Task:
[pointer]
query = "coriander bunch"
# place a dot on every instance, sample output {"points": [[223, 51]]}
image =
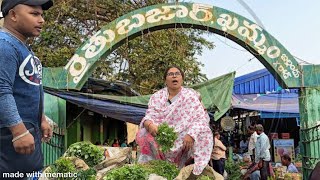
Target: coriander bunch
{"points": [[166, 137]]}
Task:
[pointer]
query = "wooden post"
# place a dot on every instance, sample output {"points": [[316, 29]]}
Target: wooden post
{"points": [[101, 130]]}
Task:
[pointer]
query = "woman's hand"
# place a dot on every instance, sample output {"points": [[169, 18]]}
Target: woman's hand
{"points": [[188, 142], [153, 129], [150, 127]]}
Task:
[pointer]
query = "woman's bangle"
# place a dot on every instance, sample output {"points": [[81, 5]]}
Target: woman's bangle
{"points": [[20, 136], [149, 125]]}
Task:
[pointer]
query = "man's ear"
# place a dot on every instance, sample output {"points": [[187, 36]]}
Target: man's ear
{"points": [[12, 15]]}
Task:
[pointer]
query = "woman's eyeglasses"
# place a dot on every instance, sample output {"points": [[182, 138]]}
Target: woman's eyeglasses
{"points": [[173, 74]]}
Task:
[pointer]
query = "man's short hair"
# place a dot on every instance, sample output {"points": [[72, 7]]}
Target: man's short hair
{"points": [[286, 157], [9, 4], [259, 127]]}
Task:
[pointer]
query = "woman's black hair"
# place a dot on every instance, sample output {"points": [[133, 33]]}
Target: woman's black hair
{"points": [[173, 66]]}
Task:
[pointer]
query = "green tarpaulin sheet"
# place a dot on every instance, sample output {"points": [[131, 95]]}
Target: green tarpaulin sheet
{"points": [[216, 95]]}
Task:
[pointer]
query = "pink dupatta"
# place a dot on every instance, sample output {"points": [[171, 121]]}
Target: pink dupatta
{"points": [[187, 116]]}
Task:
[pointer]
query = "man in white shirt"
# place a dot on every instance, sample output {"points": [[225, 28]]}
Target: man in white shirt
{"points": [[262, 153], [252, 141]]}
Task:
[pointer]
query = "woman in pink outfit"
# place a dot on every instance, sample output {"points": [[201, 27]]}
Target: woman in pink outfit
{"points": [[181, 108]]}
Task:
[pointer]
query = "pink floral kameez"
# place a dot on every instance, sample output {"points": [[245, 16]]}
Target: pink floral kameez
{"points": [[186, 114]]}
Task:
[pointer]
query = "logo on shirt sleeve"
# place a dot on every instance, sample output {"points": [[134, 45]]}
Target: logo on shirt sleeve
{"points": [[31, 70]]}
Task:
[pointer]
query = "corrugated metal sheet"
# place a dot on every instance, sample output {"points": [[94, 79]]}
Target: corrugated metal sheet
{"points": [[258, 82]]}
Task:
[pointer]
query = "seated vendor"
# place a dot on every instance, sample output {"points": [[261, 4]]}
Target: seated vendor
{"points": [[286, 161], [253, 172]]}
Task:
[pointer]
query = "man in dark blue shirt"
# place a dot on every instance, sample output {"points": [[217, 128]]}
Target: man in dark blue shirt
{"points": [[22, 121]]}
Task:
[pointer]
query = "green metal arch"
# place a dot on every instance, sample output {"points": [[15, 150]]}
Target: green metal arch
{"points": [[237, 28]]}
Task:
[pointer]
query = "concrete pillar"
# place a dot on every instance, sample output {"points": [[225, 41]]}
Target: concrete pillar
{"points": [[309, 103]]}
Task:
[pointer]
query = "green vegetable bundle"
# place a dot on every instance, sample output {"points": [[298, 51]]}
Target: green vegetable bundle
{"points": [[166, 137], [142, 171], [233, 169], [62, 165], [162, 168], [90, 153], [66, 165], [134, 172], [203, 177], [89, 174]]}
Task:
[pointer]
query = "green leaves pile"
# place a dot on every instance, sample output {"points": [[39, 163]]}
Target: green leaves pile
{"points": [[202, 177], [166, 137], [91, 154], [233, 170], [65, 165], [135, 172], [89, 174], [162, 168], [142, 171]]}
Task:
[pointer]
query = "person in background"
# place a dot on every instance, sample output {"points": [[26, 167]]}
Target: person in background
{"points": [[253, 172], [286, 161], [262, 153], [116, 143], [182, 109], [252, 141], [218, 154], [244, 144], [124, 143], [23, 124]]}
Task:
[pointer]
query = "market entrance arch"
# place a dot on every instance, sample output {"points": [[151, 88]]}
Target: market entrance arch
{"points": [[183, 15], [237, 28]]}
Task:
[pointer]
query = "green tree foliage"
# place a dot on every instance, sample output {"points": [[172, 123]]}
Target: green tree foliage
{"points": [[140, 61]]}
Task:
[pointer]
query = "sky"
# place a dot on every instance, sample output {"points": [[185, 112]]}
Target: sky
{"points": [[294, 23]]}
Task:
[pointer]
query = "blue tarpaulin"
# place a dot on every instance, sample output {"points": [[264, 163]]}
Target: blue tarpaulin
{"points": [[128, 113], [274, 103], [276, 115]]}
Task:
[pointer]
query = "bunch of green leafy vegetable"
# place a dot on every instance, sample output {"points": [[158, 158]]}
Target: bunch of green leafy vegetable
{"points": [[166, 137], [66, 165], [89, 174], [142, 171], [90, 153], [204, 177], [233, 170], [62, 165], [134, 172], [162, 168]]}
